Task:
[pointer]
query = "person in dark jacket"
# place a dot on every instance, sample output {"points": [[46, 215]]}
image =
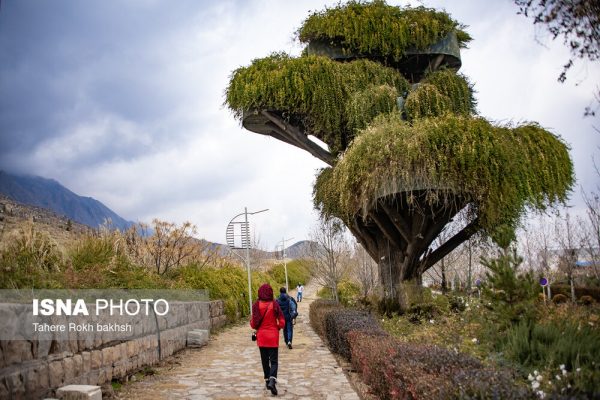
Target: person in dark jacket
{"points": [[267, 320], [286, 307]]}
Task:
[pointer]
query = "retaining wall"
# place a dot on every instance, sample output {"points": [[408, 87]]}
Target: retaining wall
{"points": [[34, 369]]}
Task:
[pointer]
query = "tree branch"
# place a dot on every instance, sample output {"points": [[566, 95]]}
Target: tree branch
{"points": [[294, 134], [450, 245]]}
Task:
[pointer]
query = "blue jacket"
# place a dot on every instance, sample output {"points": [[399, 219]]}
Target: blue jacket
{"points": [[285, 305]]}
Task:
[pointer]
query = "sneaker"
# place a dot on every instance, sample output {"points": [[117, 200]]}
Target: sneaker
{"points": [[289, 345], [271, 385]]}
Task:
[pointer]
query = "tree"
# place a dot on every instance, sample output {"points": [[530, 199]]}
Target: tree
{"points": [[170, 246], [365, 270], [576, 21], [329, 253], [405, 150], [568, 239]]}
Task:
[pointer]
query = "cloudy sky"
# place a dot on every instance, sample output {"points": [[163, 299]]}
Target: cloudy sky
{"points": [[123, 101]]}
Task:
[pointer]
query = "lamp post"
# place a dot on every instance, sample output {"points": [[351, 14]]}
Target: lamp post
{"points": [[284, 262], [244, 234]]}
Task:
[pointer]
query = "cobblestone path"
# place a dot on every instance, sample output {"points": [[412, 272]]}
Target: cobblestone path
{"points": [[229, 368]]}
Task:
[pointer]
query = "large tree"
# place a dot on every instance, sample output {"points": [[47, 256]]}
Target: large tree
{"points": [[379, 86]]}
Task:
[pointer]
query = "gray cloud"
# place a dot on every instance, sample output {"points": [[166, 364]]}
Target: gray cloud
{"points": [[122, 101]]}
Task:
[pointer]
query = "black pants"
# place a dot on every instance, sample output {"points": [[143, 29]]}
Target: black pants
{"points": [[269, 357]]}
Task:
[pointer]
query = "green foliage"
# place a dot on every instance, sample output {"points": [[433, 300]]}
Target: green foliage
{"points": [[426, 101], [439, 93], [30, 260], [377, 29], [363, 106], [313, 91], [298, 272], [500, 170], [552, 344], [348, 292], [228, 283], [511, 295]]}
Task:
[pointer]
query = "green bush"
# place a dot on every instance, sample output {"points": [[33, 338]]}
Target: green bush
{"points": [[228, 283], [552, 344], [348, 292], [317, 313], [298, 272]]}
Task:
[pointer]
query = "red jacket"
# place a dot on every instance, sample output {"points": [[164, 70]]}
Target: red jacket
{"points": [[267, 334]]}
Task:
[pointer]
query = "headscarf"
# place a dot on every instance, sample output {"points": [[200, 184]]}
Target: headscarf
{"points": [[265, 293]]}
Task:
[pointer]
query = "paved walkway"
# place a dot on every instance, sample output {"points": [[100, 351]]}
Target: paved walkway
{"points": [[229, 368]]}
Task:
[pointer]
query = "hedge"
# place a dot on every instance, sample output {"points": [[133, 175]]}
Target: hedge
{"points": [[579, 291], [396, 370], [317, 312], [339, 322]]}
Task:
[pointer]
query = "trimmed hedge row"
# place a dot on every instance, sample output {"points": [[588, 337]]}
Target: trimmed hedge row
{"points": [[317, 312], [579, 291], [340, 322], [397, 370]]}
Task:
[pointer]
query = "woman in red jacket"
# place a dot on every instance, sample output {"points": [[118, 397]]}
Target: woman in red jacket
{"points": [[267, 320]]}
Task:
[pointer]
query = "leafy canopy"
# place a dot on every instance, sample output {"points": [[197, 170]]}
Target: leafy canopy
{"points": [[376, 28], [500, 170]]}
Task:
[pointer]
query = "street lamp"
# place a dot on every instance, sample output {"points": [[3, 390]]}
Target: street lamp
{"points": [[244, 234], [285, 262]]}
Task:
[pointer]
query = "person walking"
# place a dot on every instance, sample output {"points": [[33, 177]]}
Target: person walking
{"points": [[289, 313], [267, 319], [299, 292]]}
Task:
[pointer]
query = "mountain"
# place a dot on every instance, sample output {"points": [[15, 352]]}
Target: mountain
{"points": [[48, 193]]}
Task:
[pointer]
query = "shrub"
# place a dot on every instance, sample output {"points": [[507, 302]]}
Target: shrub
{"points": [[422, 311], [229, 283], [297, 270], [317, 313], [552, 344], [457, 303], [341, 321], [593, 292], [559, 298], [396, 370], [488, 383], [586, 300], [30, 260]]}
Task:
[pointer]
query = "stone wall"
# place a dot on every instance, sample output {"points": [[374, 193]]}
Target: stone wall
{"points": [[34, 369]]}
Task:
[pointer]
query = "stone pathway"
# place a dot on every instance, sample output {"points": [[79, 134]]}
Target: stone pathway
{"points": [[229, 368]]}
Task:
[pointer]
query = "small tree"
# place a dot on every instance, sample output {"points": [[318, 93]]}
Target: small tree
{"points": [[365, 269], [170, 245], [569, 242], [329, 254]]}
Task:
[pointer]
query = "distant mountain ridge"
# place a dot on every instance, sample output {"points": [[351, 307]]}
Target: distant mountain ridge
{"points": [[50, 194]]}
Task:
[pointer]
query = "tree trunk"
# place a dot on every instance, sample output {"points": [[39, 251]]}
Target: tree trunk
{"points": [[444, 281], [398, 234]]}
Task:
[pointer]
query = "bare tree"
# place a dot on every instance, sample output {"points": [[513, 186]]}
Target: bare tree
{"points": [[365, 269], [591, 233], [329, 253], [567, 237], [170, 245]]}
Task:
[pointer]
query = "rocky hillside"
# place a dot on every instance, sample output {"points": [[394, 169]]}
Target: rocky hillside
{"points": [[48, 193]]}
